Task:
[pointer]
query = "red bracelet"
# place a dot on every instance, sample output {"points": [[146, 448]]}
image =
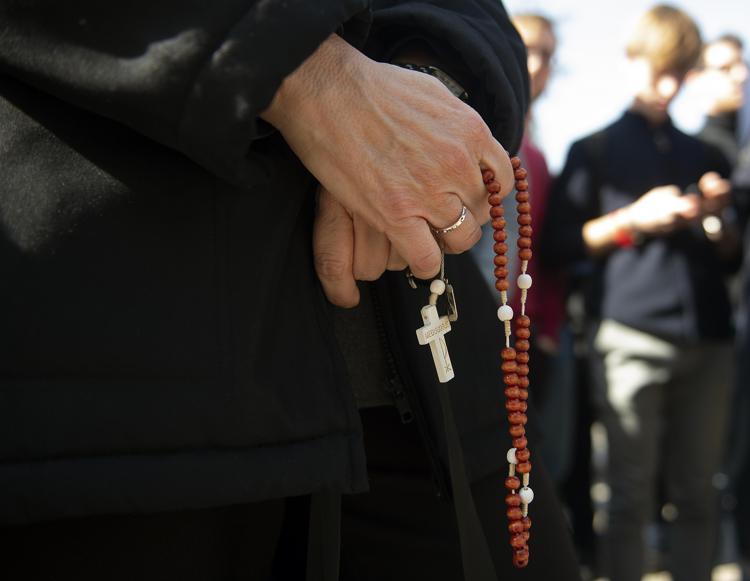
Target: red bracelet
{"points": [[623, 238]]}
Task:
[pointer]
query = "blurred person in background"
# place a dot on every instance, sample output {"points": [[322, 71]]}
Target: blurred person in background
{"points": [[631, 200], [720, 80]]}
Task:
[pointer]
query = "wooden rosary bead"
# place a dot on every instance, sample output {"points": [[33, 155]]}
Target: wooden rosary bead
{"points": [[519, 562], [523, 383], [517, 418], [522, 333], [513, 500], [515, 162], [523, 467], [522, 357], [512, 392], [515, 527], [517, 541], [501, 260], [522, 369], [522, 552], [512, 483], [525, 254], [509, 366], [522, 197], [502, 285], [522, 345], [497, 212], [524, 242], [522, 185], [487, 176], [513, 405], [508, 354], [524, 406], [520, 174], [524, 208], [495, 200], [501, 272], [510, 379], [523, 455], [520, 443], [526, 522], [525, 231], [524, 220], [501, 245], [523, 321], [517, 431], [494, 187], [526, 536], [514, 513], [500, 236]]}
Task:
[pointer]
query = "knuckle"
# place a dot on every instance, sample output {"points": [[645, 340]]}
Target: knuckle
{"points": [[475, 126], [398, 207], [331, 267]]}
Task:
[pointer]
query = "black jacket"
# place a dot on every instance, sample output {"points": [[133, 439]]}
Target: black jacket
{"points": [[164, 341]]}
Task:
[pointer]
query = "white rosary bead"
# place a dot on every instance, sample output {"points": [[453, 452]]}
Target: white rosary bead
{"points": [[527, 495], [505, 313], [524, 281], [511, 456], [437, 286]]}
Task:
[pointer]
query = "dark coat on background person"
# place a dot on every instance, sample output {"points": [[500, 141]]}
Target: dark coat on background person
{"points": [[165, 342]]}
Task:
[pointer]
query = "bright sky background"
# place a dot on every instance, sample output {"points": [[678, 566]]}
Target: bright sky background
{"points": [[588, 88]]}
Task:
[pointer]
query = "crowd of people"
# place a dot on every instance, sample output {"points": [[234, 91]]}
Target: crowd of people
{"points": [[207, 211], [645, 223]]}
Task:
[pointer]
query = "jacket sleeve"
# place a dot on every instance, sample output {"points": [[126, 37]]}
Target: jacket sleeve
{"points": [[191, 74], [572, 202], [475, 43]]}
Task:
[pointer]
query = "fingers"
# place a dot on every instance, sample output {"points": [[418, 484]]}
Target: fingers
{"points": [[333, 251], [371, 251], [466, 235], [395, 261], [413, 240]]}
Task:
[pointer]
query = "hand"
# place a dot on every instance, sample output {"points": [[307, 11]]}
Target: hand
{"points": [[716, 193], [393, 147], [662, 210], [347, 249]]}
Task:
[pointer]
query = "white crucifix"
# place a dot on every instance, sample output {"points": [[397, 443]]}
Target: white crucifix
{"points": [[433, 333]]}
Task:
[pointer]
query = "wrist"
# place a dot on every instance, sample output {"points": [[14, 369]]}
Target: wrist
{"points": [[625, 233], [309, 83]]}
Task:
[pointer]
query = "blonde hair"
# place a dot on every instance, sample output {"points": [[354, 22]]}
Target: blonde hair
{"points": [[668, 39], [532, 21]]}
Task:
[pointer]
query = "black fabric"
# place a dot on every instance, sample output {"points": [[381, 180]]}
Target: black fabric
{"points": [[165, 342], [467, 37], [400, 531], [671, 286], [721, 131]]}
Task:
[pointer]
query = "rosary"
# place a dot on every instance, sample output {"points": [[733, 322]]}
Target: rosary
{"points": [[515, 360]]}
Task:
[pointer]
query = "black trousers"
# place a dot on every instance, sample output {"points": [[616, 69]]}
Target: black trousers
{"points": [[400, 530]]}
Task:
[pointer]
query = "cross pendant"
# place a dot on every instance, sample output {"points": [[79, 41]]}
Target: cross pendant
{"points": [[433, 333]]}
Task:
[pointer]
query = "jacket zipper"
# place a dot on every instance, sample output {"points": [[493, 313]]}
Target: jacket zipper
{"points": [[408, 405]]}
